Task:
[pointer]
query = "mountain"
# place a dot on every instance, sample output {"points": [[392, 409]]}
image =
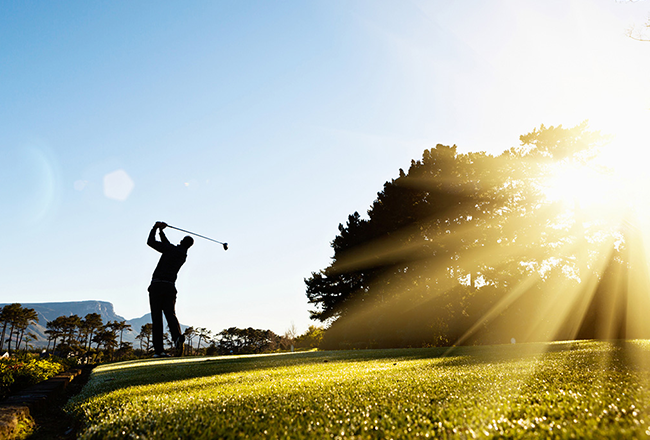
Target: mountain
{"points": [[49, 311]]}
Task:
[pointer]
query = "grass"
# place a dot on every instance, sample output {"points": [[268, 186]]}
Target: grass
{"points": [[562, 390]]}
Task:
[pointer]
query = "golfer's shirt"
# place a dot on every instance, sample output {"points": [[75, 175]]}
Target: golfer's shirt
{"points": [[171, 260]]}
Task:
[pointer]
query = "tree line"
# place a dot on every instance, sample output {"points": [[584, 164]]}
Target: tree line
{"points": [[468, 248], [73, 334], [251, 341], [91, 339]]}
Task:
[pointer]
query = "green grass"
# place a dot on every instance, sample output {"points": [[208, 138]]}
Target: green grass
{"points": [[561, 390]]}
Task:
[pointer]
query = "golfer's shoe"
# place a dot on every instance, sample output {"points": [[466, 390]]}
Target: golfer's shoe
{"points": [[161, 355], [180, 345]]}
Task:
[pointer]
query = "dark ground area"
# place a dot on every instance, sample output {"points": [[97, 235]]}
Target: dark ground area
{"points": [[52, 423]]}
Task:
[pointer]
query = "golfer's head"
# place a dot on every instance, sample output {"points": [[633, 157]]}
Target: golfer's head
{"points": [[187, 242]]}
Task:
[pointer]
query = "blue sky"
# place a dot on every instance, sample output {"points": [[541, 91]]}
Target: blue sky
{"points": [[264, 124]]}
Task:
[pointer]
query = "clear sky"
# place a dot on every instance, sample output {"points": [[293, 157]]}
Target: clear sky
{"points": [[265, 124]]}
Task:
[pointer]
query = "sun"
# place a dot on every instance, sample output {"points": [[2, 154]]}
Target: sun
{"points": [[589, 196], [613, 186], [602, 250], [582, 187]]}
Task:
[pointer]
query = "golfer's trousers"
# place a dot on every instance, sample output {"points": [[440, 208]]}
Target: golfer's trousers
{"points": [[162, 299]]}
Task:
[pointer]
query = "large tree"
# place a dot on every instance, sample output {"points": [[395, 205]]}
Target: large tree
{"points": [[455, 239]]}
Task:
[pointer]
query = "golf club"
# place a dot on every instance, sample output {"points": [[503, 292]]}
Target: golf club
{"points": [[225, 245]]}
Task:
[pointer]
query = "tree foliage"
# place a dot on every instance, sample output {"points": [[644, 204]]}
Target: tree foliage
{"points": [[146, 336], [15, 319], [248, 341], [446, 242], [310, 339]]}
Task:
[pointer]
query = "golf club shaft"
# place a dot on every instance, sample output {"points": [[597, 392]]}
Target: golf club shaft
{"points": [[194, 233]]}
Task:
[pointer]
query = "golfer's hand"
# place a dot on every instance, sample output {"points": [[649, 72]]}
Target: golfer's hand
{"points": [[161, 225]]}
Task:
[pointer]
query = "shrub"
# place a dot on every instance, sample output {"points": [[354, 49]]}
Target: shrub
{"points": [[311, 338], [19, 373]]}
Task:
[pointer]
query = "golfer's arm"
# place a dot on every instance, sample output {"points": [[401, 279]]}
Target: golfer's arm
{"points": [[152, 242], [163, 237]]}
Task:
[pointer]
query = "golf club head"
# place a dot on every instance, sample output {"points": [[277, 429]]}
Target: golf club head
{"points": [[225, 246]]}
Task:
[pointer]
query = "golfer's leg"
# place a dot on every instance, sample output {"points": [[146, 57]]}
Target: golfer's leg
{"points": [[169, 307], [156, 321]]}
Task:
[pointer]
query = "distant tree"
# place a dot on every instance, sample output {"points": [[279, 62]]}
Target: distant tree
{"points": [[203, 335], [105, 337], [311, 338], [146, 332], [91, 323], [26, 318], [17, 319], [139, 338], [167, 340], [4, 323], [30, 337], [124, 351], [120, 326], [189, 334], [228, 340], [52, 336], [11, 314], [70, 326], [69, 329], [258, 341], [249, 340], [212, 349], [55, 331]]}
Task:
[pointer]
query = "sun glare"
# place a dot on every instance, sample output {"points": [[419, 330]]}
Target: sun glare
{"points": [[582, 187], [614, 185], [605, 218]]}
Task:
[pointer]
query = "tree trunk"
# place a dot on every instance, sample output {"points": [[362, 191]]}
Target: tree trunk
{"points": [[20, 340], [11, 335], [2, 341]]}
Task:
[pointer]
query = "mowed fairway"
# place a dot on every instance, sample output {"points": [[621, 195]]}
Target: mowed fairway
{"points": [[564, 390]]}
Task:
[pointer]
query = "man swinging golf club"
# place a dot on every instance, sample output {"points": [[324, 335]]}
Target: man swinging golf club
{"points": [[162, 290]]}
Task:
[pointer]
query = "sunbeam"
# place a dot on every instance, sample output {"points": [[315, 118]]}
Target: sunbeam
{"points": [[542, 243]]}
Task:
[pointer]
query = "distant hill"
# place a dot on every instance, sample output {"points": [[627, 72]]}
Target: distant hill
{"points": [[49, 311]]}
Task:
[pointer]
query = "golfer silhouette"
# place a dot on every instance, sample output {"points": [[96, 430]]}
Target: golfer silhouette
{"points": [[162, 290]]}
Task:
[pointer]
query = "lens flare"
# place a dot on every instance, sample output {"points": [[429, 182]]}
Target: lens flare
{"points": [[31, 185], [118, 185]]}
